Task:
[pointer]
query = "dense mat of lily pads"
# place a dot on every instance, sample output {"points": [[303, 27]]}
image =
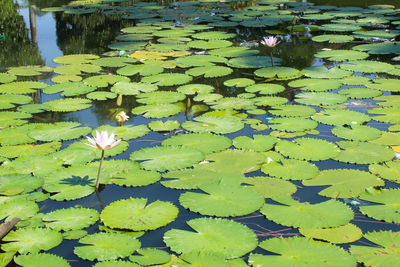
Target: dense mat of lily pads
{"points": [[338, 132]]}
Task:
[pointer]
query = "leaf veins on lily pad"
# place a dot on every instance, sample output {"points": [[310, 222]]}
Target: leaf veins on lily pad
{"points": [[205, 142], [31, 240], [388, 204], [341, 185], [41, 259], [330, 213], [300, 251], [167, 157], [226, 237], [363, 153], [206, 124], [307, 149], [290, 169], [106, 246], [138, 215], [71, 218], [223, 199], [384, 254], [338, 235]]}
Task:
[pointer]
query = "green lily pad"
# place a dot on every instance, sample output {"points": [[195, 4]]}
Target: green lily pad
{"points": [[363, 153], [239, 82], [7, 77], [300, 251], [32, 70], [41, 259], [167, 79], [338, 235], [280, 73], [191, 89], [342, 55], [19, 88], [290, 169], [292, 124], [384, 254], [320, 98], [158, 110], [68, 104], [218, 201], [323, 72], [141, 69], [101, 95], [359, 93], [235, 51], [252, 62], [333, 38], [388, 210], [204, 142], [57, 131], [357, 132], [14, 184], [31, 240], [130, 88], [226, 237], [167, 158], [265, 88], [213, 35], [200, 60], [380, 48], [135, 214], [209, 71], [270, 187], [307, 149], [340, 117], [71, 218], [13, 118], [210, 44], [214, 124], [161, 126], [366, 66], [341, 185], [258, 143], [104, 80], [106, 246], [113, 62], [318, 85], [150, 256], [292, 111], [389, 170], [159, 97], [77, 69], [75, 59], [331, 213], [9, 101], [19, 208]]}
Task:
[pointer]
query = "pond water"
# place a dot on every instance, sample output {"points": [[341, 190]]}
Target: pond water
{"points": [[252, 146]]}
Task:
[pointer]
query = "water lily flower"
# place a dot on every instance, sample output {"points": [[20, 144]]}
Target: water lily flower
{"points": [[102, 141], [271, 41], [121, 117]]}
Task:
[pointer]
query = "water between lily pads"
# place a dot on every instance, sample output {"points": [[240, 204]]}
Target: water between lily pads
{"points": [[59, 34]]}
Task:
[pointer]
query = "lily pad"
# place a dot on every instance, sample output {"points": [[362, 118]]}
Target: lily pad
{"points": [[167, 157], [222, 202], [330, 213], [341, 185], [208, 124], [307, 148], [340, 117], [226, 237], [363, 153], [31, 240], [204, 142], [106, 246], [41, 259], [71, 218], [300, 251], [135, 214], [388, 208], [290, 169]]}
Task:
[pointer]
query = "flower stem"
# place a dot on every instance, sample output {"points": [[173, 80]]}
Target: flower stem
{"points": [[98, 174], [272, 59]]}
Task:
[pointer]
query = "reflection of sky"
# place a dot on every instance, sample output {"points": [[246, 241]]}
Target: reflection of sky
{"points": [[46, 35]]}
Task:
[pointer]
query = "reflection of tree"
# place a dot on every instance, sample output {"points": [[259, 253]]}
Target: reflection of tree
{"points": [[16, 49], [90, 33]]}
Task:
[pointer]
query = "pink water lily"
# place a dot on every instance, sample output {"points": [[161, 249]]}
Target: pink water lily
{"points": [[103, 141], [271, 41]]}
